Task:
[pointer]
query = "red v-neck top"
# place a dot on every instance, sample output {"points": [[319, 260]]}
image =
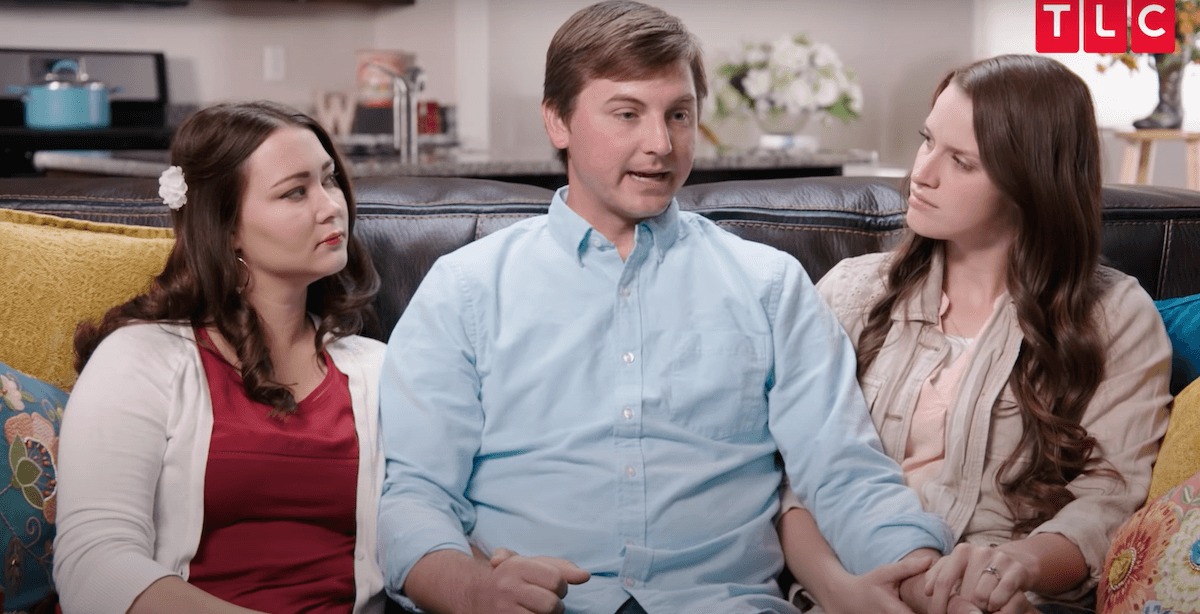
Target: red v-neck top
{"points": [[279, 497]]}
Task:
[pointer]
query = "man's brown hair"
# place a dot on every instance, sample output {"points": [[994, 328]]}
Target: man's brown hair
{"points": [[620, 40]]}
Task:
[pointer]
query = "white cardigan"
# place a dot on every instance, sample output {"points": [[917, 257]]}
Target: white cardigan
{"points": [[131, 459]]}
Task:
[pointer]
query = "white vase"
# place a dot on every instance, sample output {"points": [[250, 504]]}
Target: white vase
{"points": [[782, 123], [781, 132]]}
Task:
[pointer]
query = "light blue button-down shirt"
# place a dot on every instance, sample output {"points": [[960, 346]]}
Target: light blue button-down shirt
{"points": [[540, 394]]}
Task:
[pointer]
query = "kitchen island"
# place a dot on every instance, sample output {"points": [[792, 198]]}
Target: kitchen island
{"points": [[548, 173]]}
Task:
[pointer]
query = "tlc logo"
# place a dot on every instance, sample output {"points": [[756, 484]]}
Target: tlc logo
{"points": [[1151, 26]]}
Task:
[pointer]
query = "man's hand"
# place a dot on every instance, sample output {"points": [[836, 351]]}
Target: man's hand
{"points": [[453, 582], [877, 590], [524, 585]]}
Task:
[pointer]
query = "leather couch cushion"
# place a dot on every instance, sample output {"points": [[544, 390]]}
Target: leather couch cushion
{"points": [[407, 222]]}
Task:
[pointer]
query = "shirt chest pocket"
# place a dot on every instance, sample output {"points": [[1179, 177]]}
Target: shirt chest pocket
{"points": [[717, 383], [887, 419], [870, 388]]}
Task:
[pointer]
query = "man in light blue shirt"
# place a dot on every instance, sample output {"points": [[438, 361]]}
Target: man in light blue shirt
{"points": [[596, 397]]}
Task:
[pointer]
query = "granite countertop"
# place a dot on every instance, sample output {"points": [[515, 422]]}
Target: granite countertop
{"points": [[118, 163], [150, 163]]}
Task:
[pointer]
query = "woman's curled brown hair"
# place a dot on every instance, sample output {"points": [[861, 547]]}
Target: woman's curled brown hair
{"points": [[200, 284]]}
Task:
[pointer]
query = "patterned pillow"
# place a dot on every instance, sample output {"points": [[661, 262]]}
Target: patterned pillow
{"points": [[30, 412], [1153, 565]]}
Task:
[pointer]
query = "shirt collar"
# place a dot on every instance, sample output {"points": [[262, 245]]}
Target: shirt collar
{"points": [[664, 227], [928, 306], [571, 231], [930, 301]]}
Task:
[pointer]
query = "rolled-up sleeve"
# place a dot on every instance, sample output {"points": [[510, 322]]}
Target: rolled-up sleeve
{"points": [[1128, 416], [832, 453], [431, 420]]}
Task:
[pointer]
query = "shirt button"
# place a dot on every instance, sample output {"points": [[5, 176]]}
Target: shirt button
{"points": [[627, 357], [625, 292], [360, 556], [628, 413], [630, 582], [630, 471]]}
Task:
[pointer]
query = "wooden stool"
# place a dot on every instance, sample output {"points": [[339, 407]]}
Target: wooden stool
{"points": [[1137, 164]]}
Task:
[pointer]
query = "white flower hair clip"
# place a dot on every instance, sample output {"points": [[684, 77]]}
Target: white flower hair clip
{"points": [[171, 187]]}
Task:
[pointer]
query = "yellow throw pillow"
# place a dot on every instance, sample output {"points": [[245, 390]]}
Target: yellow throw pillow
{"points": [[58, 272], [1180, 453]]}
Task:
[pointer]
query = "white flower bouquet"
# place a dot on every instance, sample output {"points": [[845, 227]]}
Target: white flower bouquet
{"points": [[792, 76]]}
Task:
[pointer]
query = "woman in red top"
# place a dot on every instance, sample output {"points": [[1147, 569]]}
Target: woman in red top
{"points": [[219, 451]]}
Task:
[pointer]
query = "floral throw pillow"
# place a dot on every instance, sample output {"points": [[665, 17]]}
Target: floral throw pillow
{"points": [[30, 414], [1153, 565]]}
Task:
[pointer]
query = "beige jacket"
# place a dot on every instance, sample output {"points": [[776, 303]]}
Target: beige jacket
{"points": [[1128, 414]]}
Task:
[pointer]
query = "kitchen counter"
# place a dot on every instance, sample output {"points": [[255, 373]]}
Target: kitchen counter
{"points": [[547, 173]]}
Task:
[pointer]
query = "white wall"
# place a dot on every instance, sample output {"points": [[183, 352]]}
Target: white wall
{"points": [[488, 55], [451, 40], [497, 50], [214, 48], [885, 41], [1120, 95], [427, 29]]}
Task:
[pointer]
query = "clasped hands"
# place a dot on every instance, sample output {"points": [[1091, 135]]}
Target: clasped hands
{"points": [[970, 580], [989, 578]]}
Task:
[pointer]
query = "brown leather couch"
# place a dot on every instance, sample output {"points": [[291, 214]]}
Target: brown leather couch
{"points": [[407, 223], [1151, 233]]}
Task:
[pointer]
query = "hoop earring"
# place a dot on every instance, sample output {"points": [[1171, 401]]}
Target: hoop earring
{"points": [[242, 286]]}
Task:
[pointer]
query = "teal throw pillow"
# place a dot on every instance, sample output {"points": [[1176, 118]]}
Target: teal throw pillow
{"points": [[1182, 318], [30, 412]]}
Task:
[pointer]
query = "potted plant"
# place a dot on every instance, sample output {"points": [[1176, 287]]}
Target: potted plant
{"points": [[1169, 67]]}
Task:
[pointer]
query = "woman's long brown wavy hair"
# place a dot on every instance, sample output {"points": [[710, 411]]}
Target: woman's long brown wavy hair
{"points": [[200, 283], [1039, 144]]}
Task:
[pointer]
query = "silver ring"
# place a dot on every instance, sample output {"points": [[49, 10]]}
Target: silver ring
{"points": [[992, 570]]}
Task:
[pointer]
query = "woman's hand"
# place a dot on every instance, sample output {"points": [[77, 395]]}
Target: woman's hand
{"points": [[996, 579], [992, 579]]}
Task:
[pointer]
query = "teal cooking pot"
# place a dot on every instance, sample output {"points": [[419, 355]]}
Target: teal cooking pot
{"points": [[67, 100]]}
